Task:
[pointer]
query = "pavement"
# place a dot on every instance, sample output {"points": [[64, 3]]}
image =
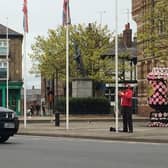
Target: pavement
{"points": [[93, 127]]}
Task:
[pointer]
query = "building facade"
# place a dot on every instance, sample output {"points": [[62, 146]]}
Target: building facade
{"points": [[141, 10], [51, 90], [11, 68], [127, 60]]}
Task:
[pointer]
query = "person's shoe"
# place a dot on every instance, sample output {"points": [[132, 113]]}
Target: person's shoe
{"points": [[130, 131], [125, 131]]}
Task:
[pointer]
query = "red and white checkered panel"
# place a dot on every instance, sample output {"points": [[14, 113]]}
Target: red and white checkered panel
{"points": [[160, 95]]}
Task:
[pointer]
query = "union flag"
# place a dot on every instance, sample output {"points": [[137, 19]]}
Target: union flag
{"points": [[25, 17], [66, 13]]}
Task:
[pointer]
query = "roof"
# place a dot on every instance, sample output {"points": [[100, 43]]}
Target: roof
{"points": [[10, 31], [132, 51], [32, 92]]}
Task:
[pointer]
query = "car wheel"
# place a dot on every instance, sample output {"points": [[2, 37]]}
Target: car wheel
{"points": [[3, 138]]}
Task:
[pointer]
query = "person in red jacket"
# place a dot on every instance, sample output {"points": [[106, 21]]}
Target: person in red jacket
{"points": [[126, 108]]}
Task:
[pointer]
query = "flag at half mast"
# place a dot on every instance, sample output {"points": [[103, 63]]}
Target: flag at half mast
{"points": [[66, 13], [25, 17]]}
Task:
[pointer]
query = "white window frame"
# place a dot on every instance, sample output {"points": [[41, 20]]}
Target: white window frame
{"points": [[3, 44]]}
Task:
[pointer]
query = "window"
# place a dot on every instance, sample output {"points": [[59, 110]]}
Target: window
{"points": [[3, 64], [3, 43], [3, 70], [3, 47]]}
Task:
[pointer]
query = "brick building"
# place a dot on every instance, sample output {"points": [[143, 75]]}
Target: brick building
{"points": [[145, 61], [10, 54], [51, 89]]}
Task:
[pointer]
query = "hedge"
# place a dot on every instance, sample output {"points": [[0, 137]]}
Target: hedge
{"points": [[96, 105]]}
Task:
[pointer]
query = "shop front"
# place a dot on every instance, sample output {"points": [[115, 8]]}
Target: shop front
{"points": [[14, 95]]}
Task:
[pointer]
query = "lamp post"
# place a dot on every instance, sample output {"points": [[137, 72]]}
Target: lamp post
{"points": [[101, 16]]}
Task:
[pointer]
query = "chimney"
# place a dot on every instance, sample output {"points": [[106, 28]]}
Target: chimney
{"points": [[127, 36]]}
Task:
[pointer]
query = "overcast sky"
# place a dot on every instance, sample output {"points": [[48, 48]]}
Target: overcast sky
{"points": [[47, 14]]}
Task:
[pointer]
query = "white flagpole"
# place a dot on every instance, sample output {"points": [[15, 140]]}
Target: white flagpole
{"points": [[116, 66], [25, 82], [67, 76], [7, 65], [67, 70]]}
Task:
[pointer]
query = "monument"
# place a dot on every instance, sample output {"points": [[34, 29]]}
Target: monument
{"points": [[82, 86]]}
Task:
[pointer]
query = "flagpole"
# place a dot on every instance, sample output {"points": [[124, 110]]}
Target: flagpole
{"points": [[25, 82], [25, 27], [67, 71], [7, 65], [116, 65]]}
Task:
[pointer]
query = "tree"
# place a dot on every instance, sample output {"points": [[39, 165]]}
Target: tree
{"points": [[48, 53]]}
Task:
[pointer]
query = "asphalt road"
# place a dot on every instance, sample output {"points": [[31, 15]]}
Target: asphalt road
{"points": [[50, 152]]}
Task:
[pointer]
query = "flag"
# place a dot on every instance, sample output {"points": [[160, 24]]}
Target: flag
{"points": [[25, 16], [66, 13]]}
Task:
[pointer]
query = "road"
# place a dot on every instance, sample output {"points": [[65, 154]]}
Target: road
{"points": [[50, 152]]}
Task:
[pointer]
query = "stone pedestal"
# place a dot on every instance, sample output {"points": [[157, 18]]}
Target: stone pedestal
{"points": [[82, 87]]}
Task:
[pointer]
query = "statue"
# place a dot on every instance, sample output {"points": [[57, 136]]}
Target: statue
{"points": [[78, 59]]}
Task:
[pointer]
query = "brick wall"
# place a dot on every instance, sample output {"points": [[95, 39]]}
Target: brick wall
{"points": [[15, 59]]}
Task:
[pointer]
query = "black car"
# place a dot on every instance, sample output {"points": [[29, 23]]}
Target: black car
{"points": [[9, 124]]}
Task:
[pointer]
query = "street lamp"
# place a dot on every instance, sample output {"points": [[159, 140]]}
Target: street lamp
{"points": [[101, 16]]}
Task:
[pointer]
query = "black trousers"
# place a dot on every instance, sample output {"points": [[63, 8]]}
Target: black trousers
{"points": [[127, 119]]}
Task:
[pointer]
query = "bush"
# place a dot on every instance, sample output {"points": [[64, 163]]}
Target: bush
{"points": [[96, 105]]}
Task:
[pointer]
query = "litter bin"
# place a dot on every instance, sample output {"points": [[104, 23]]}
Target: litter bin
{"points": [[57, 119]]}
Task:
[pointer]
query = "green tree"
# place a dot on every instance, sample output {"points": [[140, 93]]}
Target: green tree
{"points": [[49, 53]]}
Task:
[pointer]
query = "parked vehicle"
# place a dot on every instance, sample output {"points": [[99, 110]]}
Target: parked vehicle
{"points": [[9, 123]]}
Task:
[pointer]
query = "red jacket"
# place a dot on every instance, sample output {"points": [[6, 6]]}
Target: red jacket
{"points": [[126, 97]]}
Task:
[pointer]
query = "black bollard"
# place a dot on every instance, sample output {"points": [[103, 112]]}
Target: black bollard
{"points": [[57, 119]]}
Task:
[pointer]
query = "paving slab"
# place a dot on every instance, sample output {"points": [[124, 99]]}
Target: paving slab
{"points": [[96, 130]]}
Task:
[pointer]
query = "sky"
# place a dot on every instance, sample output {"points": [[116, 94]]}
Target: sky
{"points": [[47, 14]]}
